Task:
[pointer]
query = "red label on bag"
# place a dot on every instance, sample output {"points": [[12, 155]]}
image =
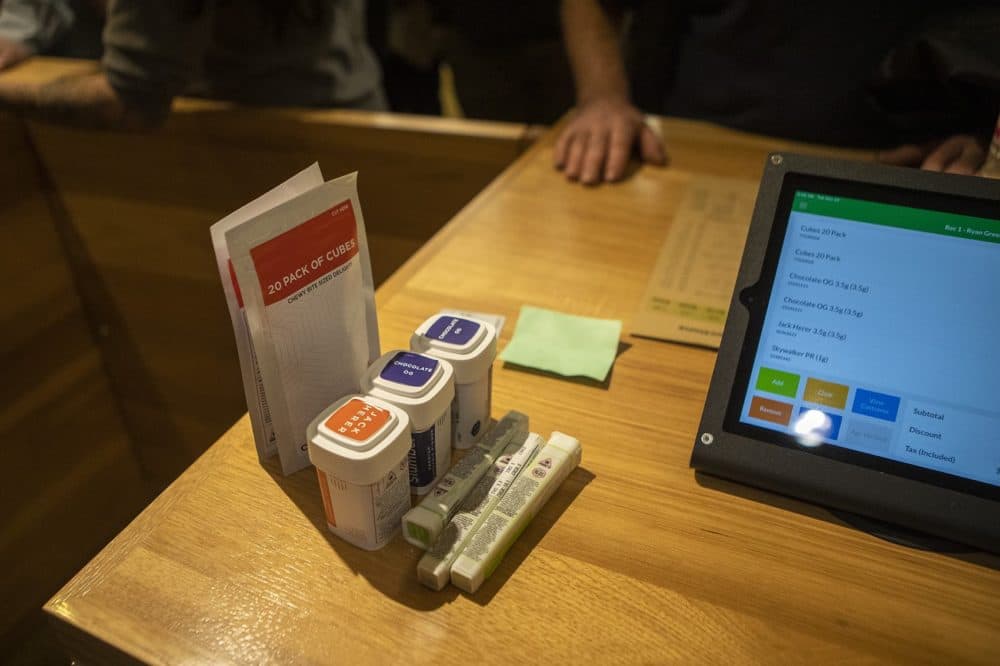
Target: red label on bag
{"points": [[292, 261], [236, 284]]}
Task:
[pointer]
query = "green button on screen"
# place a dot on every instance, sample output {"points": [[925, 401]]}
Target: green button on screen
{"points": [[776, 381]]}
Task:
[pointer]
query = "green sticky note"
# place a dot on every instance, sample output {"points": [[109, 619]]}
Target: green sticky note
{"points": [[565, 344]]}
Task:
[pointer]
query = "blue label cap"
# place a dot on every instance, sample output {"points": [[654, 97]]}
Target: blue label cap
{"points": [[453, 330], [410, 369]]}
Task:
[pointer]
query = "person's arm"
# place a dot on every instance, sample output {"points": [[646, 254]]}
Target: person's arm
{"points": [[13, 52], [151, 50], [28, 27], [961, 154], [596, 144], [82, 100]]}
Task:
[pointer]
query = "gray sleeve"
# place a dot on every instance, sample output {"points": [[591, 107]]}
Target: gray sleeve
{"points": [[37, 24], [154, 49]]}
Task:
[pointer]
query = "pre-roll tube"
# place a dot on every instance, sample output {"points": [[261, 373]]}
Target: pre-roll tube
{"points": [[423, 523], [529, 492], [434, 567]]}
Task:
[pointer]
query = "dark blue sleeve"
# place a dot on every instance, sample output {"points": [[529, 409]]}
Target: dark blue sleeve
{"points": [[153, 50]]}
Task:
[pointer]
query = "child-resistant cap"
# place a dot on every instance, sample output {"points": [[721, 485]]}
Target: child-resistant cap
{"points": [[406, 373], [358, 438], [422, 385], [469, 345]]}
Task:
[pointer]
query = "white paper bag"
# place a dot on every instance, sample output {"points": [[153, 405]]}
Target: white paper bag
{"points": [[305, 276], [253, 386]]}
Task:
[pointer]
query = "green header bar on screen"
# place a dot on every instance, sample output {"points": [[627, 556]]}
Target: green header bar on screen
{"points": [[900, 217]]}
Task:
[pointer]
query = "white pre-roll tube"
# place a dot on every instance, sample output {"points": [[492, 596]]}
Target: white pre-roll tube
{"points": [[423, 523], [434, 568], [526, 496]]}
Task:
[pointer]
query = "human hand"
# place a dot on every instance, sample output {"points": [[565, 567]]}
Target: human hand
{"points": [[961, 154], [12, 52], [597, 142]]}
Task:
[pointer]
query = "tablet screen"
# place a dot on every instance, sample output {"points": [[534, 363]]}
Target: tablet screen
{"points": [[878, 335]]}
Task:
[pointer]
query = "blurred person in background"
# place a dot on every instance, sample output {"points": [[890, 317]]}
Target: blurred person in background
{"points": [[310, 53], [914, 80], [66, 28], [506, 60], [406, 36]]}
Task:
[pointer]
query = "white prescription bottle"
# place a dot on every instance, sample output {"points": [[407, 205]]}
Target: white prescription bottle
{"points": [[360, 446], [470, 346], [424, 388]]}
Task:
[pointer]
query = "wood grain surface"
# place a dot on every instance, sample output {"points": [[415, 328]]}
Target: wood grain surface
{"points": [[68, 456], [635, 559]]}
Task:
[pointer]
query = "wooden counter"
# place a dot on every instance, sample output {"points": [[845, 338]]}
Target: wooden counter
{"points": [[635, 559], [119, 359]]}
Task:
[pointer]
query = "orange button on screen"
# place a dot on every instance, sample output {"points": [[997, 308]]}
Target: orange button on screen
{"points": [[770, 410], [357, 420]]}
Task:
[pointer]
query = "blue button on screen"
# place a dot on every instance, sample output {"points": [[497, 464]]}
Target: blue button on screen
{"points": [[877, 405], [826, 426]]}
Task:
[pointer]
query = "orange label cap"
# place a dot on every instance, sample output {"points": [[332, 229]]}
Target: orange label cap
{"points": [[357, 420]]}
